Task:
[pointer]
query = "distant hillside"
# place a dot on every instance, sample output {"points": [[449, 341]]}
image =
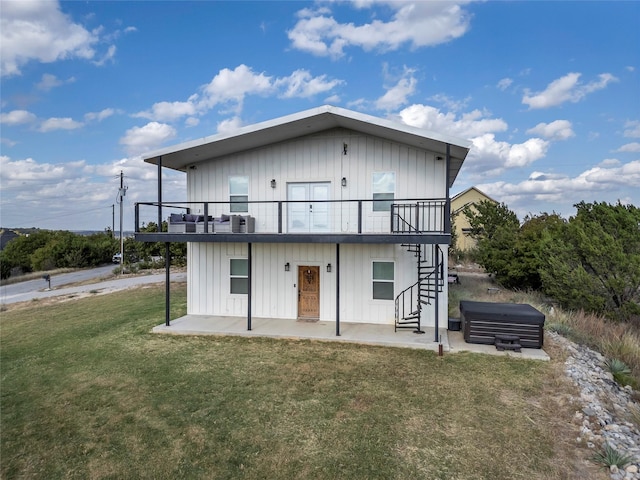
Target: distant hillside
{"points": [[8, 234]]}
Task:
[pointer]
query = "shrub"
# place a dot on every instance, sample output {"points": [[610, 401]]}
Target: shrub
{"points": [[620, 371], [609, 456]]}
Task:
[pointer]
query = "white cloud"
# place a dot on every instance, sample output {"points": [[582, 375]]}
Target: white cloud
{"points": [[234, 85], [417, 24], [101, 115], [566, 89], [49, 81], [230, 87], [629, 147], [37, 193], [398, 94], [487, 156], [38, 30], [302, 84], [556, 130], [55, 123], [229, 125], [452, 104], [17, 117], [141, 139], [332, 100], [16, 173], [632, 129], [168, 111], [504, 83], [107, 57], [553, 187], [468, 125]]}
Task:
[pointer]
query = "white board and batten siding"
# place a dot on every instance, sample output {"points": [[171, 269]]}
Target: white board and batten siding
{"points": [[314, 158], [274, 290], [318, 158]]}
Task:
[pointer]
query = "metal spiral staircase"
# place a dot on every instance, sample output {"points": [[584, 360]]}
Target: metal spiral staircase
{"points": [[430, 267]]}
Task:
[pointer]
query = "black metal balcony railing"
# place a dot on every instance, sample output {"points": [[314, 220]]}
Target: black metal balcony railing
{"points": [[312, 216]]}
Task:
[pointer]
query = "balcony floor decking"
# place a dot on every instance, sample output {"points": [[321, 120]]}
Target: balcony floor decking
{"points": [[334, 238]]}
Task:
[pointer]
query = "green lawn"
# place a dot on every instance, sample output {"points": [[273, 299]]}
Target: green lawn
{"points": [[88, 392]]}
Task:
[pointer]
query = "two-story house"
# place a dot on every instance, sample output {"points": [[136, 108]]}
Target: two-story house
{"points": [[325, 214]]}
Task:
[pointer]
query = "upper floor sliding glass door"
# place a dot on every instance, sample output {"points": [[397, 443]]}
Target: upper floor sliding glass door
{"points": [[304, 213]]}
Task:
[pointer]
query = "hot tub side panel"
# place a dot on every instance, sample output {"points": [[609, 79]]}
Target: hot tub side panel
{"points": [[482, 321]]}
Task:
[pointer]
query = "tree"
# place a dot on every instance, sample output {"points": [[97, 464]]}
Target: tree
{"points": [[593, 262], [495, 228], [524, 271], [17, 253]]}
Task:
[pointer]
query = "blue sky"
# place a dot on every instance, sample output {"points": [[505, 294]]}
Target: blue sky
{"points": [[549, 92]]}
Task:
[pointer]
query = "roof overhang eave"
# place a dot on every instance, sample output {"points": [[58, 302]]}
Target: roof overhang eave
{"points": [[180, 157]]}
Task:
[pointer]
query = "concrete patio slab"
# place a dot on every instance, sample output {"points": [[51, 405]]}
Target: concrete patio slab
{"points": [[363, 333]]}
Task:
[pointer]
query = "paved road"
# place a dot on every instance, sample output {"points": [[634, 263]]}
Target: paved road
{"points": [[36, 289], [56, 281]]}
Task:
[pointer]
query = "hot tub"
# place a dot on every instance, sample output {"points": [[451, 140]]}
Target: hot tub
{"points": [[482, 321]]}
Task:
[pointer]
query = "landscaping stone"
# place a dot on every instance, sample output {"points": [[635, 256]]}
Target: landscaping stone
{"points": [[605, 407]]}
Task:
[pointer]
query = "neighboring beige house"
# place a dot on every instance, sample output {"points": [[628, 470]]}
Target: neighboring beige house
{"points": [[470, 196], [326, 214]]}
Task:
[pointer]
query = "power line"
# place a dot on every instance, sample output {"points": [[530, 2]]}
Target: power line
{"points": [[50, 217]]}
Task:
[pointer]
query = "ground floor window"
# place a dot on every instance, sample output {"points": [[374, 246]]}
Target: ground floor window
{"points": [[383, 277], [239, 275]]}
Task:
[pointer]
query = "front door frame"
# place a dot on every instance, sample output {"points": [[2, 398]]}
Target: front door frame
{"points": [[307, 310]]}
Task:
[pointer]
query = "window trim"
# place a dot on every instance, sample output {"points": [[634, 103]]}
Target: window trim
{"points": [[232, 277], [382, 280]]}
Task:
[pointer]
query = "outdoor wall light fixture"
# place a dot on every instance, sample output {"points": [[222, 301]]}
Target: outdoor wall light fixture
{"points": [[287, 267], [273, 183], [344, 181], [439, 158], [328, 268], [344, 148]]}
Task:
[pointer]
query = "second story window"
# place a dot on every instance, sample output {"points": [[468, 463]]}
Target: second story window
{"points": [[384, 188], [239, 193]]}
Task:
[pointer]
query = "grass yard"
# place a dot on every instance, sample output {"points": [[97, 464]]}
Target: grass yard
{"points": [[88, 392]]}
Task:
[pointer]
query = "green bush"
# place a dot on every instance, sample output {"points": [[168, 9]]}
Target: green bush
{"points": [[608, 457]]}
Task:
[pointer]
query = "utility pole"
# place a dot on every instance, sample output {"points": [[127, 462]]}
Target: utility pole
{"points": [[113, 220], [121, 193]]}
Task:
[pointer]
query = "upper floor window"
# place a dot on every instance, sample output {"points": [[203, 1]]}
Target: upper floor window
{"points": [[239, 193], [384, 188]]}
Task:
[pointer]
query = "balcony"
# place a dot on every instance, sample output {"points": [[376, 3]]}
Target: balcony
{"points": [[300, 221]]}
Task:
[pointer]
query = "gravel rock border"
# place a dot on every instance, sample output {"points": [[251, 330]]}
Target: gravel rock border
{"points": [[606, 406]]}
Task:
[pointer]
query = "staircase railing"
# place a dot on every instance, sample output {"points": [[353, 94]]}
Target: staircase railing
{"points": [[409, 303]]}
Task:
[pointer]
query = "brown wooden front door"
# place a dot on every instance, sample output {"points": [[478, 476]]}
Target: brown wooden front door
{"points": [[308, 292]]}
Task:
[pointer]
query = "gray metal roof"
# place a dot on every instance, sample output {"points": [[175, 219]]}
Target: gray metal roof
{"points": [[181, 156]]}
